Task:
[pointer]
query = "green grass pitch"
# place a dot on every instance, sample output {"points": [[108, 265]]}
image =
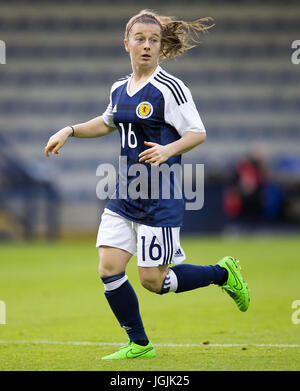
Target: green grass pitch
{"points": [[54, 298]]}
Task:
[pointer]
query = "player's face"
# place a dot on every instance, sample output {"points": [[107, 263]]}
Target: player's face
{"points": [[143, 44]]}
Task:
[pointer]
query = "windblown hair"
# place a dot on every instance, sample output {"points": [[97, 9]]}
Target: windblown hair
{"points": [[177, 36]]}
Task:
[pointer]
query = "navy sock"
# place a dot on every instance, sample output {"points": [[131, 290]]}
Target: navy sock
{"points": [[124, 304], [191, 277]]}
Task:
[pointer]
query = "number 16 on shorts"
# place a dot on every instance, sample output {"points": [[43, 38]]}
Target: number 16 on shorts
{"points": [[159, 246]]}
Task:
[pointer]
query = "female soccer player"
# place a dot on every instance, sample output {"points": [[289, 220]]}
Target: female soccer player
{"points": [[158, 121]]}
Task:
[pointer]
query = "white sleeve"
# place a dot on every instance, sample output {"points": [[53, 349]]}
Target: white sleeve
{"points": [[184, 116], [108, 115]]}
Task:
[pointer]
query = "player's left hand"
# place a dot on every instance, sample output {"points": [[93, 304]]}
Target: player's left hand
{"points": [[155, 155]]}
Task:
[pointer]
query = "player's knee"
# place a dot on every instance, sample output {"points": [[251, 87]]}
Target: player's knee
{"points": [[106, 270], [112, 261], [152, 284]]}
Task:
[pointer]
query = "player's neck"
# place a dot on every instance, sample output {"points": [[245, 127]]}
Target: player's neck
{"points": [[142, 73]]}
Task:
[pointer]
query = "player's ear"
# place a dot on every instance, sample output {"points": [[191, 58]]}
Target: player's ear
{"points": [[126, 45]]}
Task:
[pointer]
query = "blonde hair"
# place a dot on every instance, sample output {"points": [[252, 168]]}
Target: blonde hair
{"points": [[176, 35]]}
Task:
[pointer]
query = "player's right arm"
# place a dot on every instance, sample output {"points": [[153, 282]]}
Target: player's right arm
{"points": [[96, 127]]}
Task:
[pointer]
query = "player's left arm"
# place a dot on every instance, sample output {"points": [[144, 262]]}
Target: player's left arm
{"points": [[157, 154], [187, 142]]}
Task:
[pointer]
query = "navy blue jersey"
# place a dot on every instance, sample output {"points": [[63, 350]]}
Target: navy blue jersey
{"points": [[160, 111]]}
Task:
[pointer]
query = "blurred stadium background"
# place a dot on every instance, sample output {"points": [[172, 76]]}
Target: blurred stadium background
{"points": [[63, 56]]}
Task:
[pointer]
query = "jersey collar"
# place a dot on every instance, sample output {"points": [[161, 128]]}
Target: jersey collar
{"points": [[158, 69]]}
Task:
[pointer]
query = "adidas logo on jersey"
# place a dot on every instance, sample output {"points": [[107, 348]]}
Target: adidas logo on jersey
{"points": [[178, 253], [115, 109]]}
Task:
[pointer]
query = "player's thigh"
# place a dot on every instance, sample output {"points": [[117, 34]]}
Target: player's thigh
{"points": [[112, 260], [117, 243], [152, 278]]}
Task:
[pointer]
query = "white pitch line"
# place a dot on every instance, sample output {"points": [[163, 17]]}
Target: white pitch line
{"points": [[171, 345]]}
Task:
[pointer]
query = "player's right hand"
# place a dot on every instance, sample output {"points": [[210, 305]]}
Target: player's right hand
{"points": [[57, 141]]}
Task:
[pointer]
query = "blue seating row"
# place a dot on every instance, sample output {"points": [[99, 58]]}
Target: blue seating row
{"points": [[262, 50], [290, 24], [242, 104]]}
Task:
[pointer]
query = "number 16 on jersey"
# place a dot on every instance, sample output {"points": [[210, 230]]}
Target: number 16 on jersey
{"points": [[131, 137]]}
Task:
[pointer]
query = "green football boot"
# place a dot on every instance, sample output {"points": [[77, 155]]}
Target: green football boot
{"points": [[235, 286], [132, 350]]}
